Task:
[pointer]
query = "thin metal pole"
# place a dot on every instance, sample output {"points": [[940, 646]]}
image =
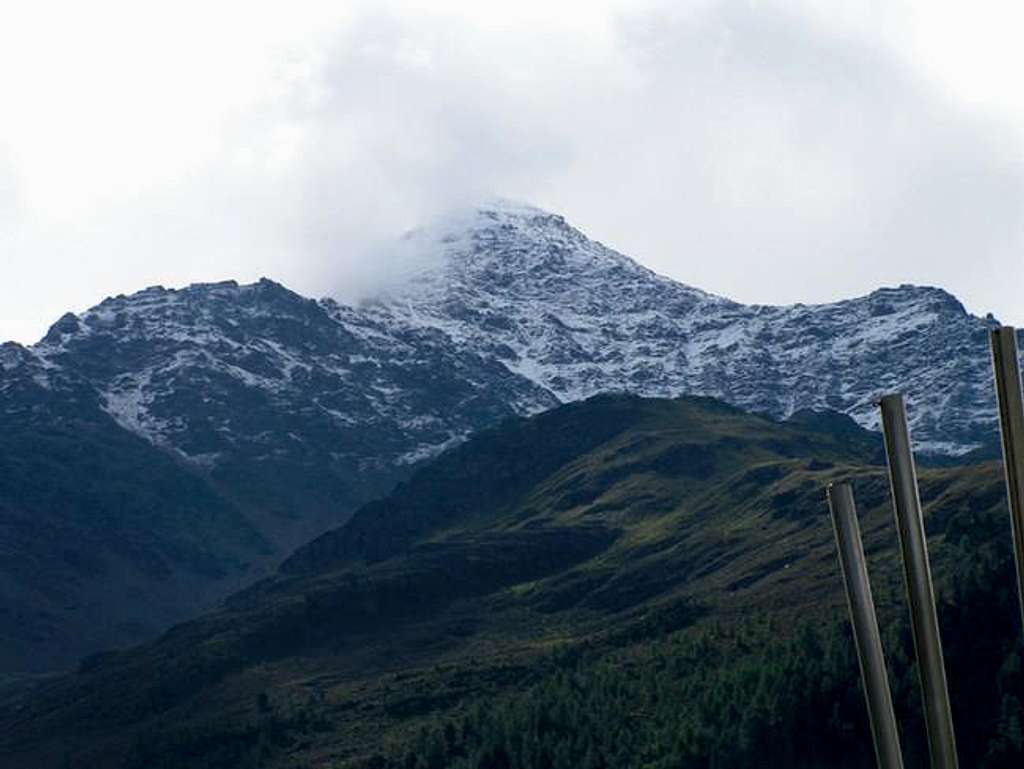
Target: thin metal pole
{"points": [[1011, 422], [913, 545], [865, 626]]}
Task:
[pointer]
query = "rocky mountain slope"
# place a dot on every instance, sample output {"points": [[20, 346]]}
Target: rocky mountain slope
{"points": [[522, 286], [593, 528], [513, 312], [291, 412]]}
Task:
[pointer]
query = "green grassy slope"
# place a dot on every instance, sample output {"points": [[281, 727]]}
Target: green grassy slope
{"points": [[594, 530]]}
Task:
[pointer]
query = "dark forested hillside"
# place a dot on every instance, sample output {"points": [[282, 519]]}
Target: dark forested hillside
{"points": [[615, 583], [749, 696]]}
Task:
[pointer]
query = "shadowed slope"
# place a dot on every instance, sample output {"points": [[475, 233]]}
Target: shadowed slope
{"points": [[596, 523]]}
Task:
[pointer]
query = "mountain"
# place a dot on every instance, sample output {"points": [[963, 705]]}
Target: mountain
{"points": [[285, 414], [248, 417], [604, 542], [104, 538]]}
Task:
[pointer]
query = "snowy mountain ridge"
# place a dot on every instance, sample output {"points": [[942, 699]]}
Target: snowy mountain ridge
{"points": [[515, 312], [577, 318]]}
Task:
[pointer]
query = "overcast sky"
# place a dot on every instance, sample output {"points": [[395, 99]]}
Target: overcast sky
{"points": [[772, 152]]}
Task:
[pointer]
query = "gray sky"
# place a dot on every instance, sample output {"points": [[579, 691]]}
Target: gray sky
{"points": [[772, 152]]}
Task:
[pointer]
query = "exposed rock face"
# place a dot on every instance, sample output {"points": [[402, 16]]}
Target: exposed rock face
{"points": [[522, 286]]}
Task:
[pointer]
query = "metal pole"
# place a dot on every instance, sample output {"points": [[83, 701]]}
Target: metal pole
{"points": [[913, 545], [865, 626], [1011, 420]]}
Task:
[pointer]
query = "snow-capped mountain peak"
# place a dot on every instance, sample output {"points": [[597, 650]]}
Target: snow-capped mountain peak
{"points": [[520, 285], [511, 311]]}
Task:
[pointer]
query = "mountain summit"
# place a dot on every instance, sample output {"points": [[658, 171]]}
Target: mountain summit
{"points": [[520, 285]]}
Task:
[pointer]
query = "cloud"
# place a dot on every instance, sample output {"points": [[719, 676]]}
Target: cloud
{"points": [[779, 161], [757, 150]]}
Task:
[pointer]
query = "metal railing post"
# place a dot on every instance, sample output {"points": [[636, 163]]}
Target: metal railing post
{"points": [[1011, 422], [913, 546], [866, 636]]}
